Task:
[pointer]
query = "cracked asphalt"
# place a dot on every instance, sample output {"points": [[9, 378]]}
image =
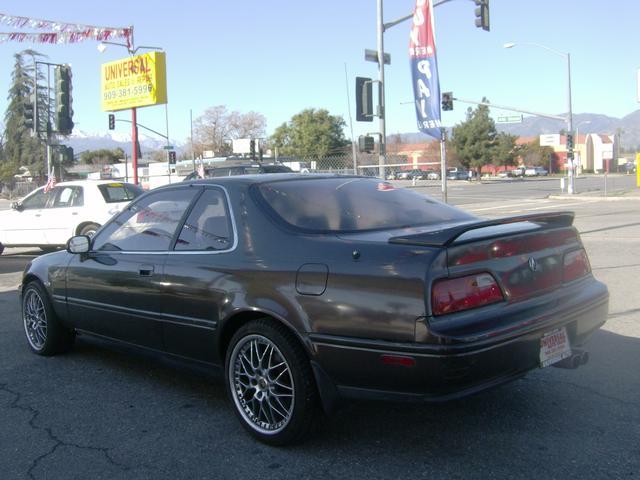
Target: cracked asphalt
{"points": [[99, 413]]}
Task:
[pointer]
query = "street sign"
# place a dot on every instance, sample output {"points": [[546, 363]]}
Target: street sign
{"points": [[168, 147], [550, 140], [372, 56], [510, 119]]}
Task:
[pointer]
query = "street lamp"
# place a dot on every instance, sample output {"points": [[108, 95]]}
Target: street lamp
{"points": [[567, 56]]}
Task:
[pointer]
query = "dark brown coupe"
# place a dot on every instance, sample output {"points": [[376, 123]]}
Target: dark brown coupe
{"points": [[306, 289]]}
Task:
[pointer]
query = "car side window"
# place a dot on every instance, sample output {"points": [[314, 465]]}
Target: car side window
{"points": [[37, 200], [68, 197], [208, 226], [147, 225]]}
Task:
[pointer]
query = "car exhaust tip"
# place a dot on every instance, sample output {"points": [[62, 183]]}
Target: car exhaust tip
{"points": [[577, 359]]}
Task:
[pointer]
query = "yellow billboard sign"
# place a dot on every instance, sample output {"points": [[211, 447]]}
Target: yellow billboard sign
{"points": [[136, 81]]}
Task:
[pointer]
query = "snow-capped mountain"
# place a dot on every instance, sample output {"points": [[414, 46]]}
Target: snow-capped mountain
{"points": [[81, 141]]}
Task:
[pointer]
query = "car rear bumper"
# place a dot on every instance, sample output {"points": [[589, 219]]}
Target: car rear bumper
{"points": [[354, 368]]}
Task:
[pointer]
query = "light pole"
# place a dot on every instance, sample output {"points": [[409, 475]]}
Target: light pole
{"points": [[567, 56]]}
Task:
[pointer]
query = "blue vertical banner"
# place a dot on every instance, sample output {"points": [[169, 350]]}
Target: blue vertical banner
{"points": [[424, 69]]}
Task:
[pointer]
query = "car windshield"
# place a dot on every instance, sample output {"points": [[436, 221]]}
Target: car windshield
{"points": [[351, 204], [119, 192]]}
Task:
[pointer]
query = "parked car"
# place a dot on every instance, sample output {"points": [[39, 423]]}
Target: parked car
{"points": [[458, 175], [518, 171], [306, 289], [47, 219], [535, 172], [433, 175], [229, 170], [411, 174], [629, 167]]}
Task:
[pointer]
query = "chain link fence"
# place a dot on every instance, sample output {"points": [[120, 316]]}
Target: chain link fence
{"points": [[397, 167]]}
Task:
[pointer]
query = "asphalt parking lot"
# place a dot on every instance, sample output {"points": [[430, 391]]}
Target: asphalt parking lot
{"points": [[99, 413]]}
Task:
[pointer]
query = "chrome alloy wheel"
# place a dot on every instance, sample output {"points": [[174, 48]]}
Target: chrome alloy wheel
{"points": [[262, 384], [35, 319]]}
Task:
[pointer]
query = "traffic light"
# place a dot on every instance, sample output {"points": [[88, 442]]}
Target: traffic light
{"points": [[172, 157], [569, 141], [482, 14], [366, 143], [252, 148], [447, 101], [67, 155], [31, 113], [364, 100], [64, 112], [112, 121]]}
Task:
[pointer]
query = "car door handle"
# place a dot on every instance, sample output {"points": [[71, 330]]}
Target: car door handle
{"points": [[146, 270]]}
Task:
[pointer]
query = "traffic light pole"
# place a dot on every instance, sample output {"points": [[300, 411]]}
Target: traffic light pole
{"points": [[381, 28], [571, 188], [382, 159]]}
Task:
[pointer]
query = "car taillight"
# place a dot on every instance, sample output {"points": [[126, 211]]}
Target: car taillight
{"points": [[576, 265], [472, 291]]}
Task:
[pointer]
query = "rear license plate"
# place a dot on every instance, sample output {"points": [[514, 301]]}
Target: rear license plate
{"points": [[554, 346]]}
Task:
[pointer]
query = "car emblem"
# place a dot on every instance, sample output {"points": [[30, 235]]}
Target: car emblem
{"points": [[533, 265]]}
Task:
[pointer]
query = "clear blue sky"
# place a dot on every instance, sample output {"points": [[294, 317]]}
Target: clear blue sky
{"points": [[278, 57]]}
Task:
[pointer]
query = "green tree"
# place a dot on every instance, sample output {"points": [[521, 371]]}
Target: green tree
{"points": [[102, 156], [313, 134], [506, 151], [20, 148], [475, 139]]}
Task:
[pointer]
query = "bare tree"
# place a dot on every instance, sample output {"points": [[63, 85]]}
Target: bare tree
{"points": [[217, 127]]}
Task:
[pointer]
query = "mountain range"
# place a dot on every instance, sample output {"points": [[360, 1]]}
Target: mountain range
{"points": [[628, 127]]}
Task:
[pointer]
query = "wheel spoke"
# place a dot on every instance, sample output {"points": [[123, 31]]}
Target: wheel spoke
{"points": [[283, 413]]}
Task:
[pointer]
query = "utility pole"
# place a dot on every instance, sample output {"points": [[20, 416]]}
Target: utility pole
{"points": [[382, 158]]}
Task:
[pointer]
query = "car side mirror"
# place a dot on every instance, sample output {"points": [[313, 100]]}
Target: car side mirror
{"points": [[79, 244], [17, 206]]}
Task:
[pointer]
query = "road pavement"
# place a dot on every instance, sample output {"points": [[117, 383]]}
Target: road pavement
{"points": [[99, 413]]}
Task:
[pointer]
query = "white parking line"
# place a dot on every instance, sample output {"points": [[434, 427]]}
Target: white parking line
{"points": [[532, 202]]}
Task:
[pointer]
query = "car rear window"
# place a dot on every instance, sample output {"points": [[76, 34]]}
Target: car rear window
{"points": [[352, 204], [119, 192], [276, 169]]}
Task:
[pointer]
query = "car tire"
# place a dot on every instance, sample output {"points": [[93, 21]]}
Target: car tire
{"points": [[269, 380], [45, 334], [89, 229], [1, 248]]}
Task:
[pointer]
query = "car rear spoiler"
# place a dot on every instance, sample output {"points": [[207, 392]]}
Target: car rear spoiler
{"points": [[445, 237]]}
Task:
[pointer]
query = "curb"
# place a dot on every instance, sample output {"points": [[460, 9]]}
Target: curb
{"points": [[590, 198]]}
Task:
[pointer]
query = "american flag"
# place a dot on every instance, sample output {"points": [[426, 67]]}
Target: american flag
{"points": [[51, 181], [201, 170]]}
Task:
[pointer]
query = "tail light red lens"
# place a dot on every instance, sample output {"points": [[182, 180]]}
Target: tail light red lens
{"points": [[463, 293], [576, 265]]}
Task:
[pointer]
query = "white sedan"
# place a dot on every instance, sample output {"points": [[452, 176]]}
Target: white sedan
{"points": [[48, 219], [535, 172]]}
